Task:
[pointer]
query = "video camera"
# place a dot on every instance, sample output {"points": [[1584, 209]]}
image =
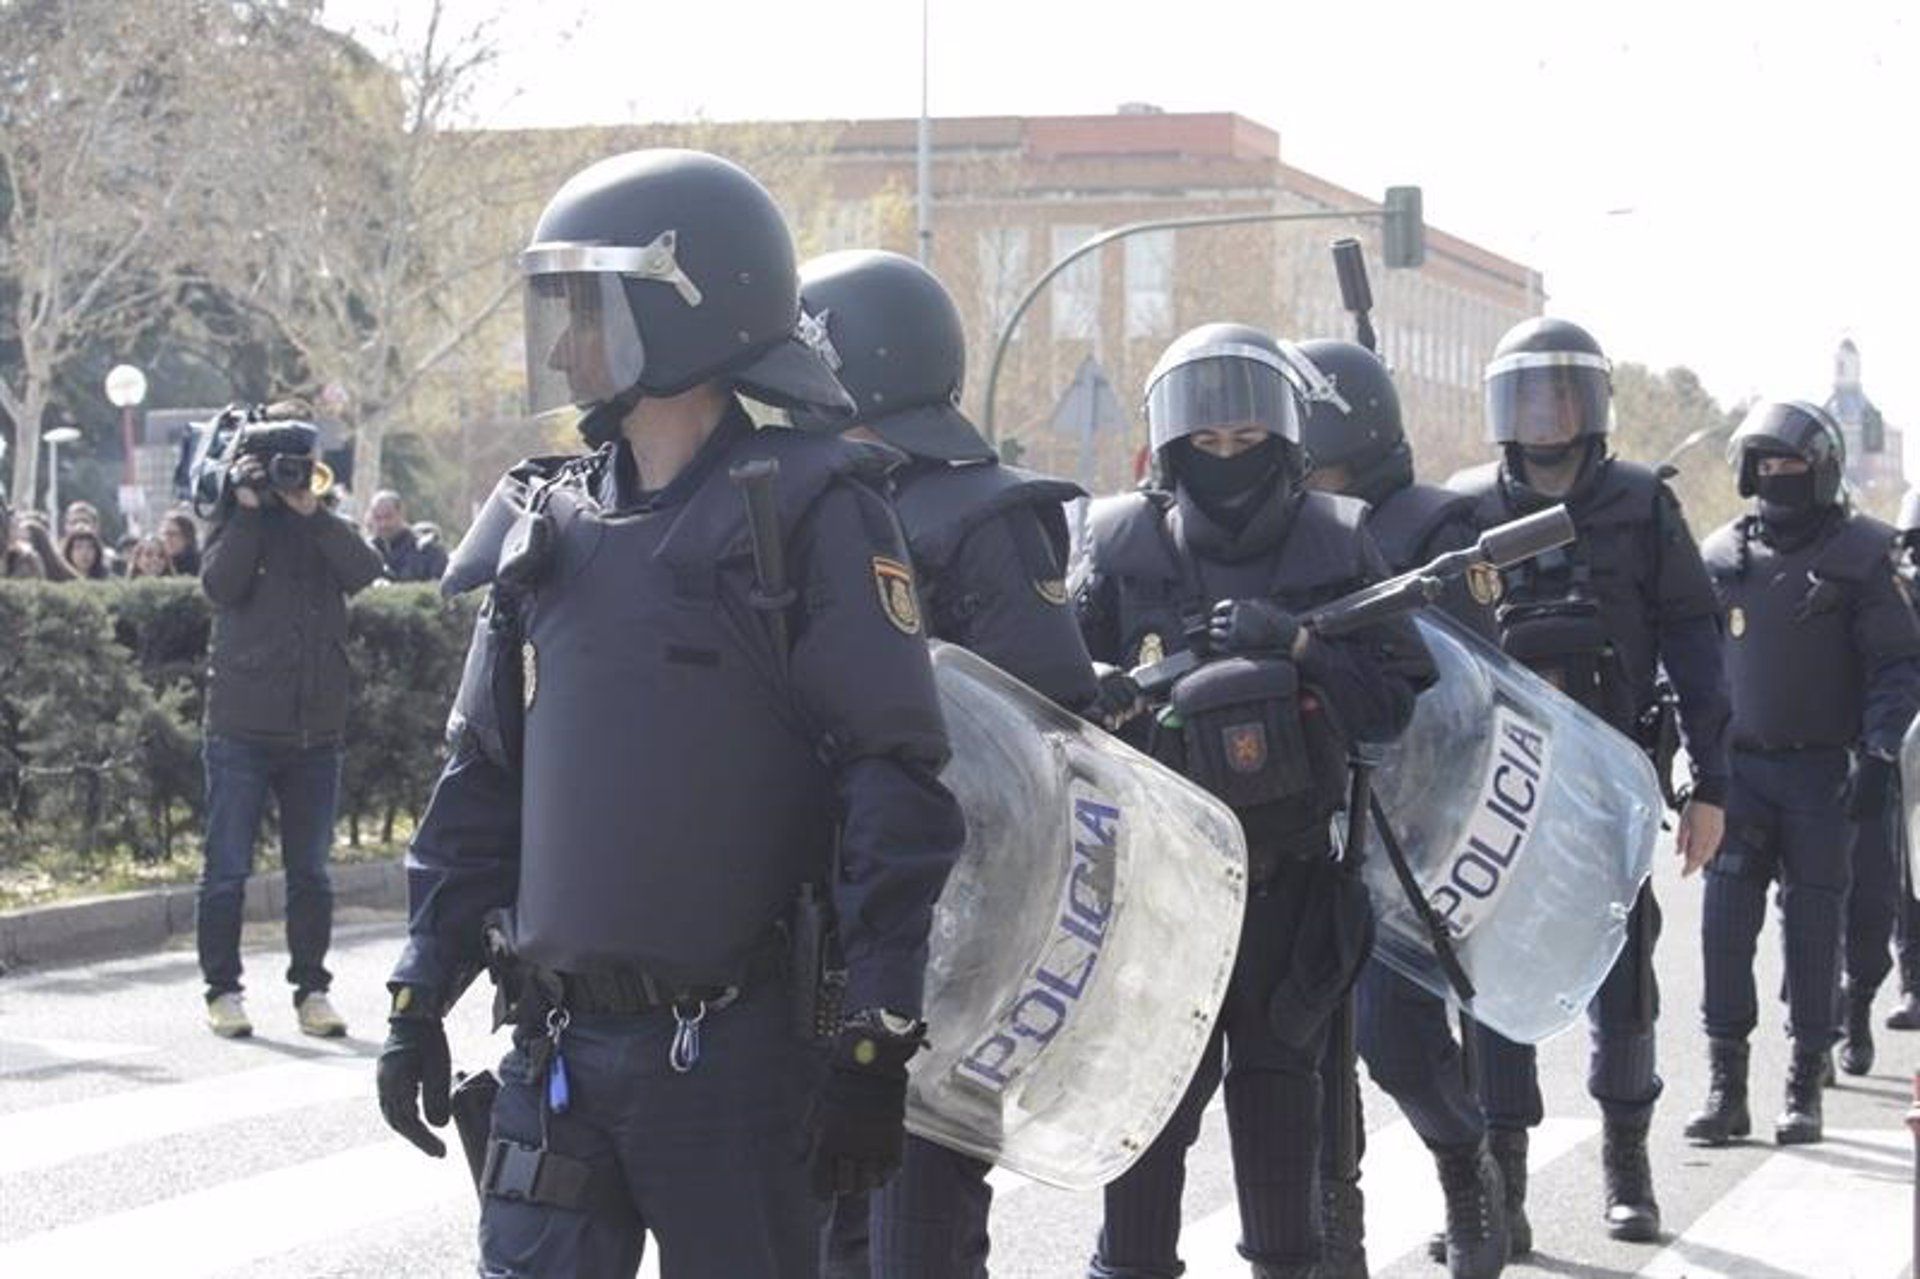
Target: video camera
{"points": [[288, 449]]}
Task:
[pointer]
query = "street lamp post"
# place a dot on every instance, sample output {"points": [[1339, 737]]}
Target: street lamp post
{"points": [[53, 440], [1403, 219], [126, 391]]}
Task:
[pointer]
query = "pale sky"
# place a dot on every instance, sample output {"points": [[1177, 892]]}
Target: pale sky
{"points": [[1735, 188]]}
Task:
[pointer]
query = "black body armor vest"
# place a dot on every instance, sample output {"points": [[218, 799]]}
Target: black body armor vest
{"points": [[1794, 665]]}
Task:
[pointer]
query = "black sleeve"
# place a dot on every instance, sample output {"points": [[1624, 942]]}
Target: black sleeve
{"points": [[1371, 677], [1006, 593], [1888, 638], [350, 558], [465, 856], [1686, 619], [231, 560], [1094, 597], [860, 671]]}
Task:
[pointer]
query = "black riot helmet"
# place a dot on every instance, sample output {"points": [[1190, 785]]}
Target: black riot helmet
{"points": [[1548, 385], [654, 271], [1217, 377], [1355, 422], [890, 332], [1789, 428]]}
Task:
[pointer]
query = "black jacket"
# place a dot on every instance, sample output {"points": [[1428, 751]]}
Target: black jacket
{"points": [[410, 557], [279, 583]]}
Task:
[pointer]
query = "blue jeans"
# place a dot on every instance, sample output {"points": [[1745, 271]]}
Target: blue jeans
{"points": [[305, 781]]}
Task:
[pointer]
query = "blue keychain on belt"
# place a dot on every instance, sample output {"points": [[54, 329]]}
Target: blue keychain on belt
{"points": [[559, 1092]]}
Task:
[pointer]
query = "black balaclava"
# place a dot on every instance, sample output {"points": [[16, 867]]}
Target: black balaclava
{"points": [[1229, 489], [1786, 505]]}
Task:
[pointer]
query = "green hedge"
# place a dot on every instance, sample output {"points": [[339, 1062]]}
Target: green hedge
{"points": [[101, 690]]}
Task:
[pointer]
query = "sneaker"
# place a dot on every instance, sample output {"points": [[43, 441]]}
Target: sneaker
{"points": [[227, 1016], [318, 1018]]}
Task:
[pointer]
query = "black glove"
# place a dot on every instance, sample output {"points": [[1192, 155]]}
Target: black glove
{"points": [[1870, 789], [1118, 700], [1252, 628], [857, 1126], [416, 1069]]}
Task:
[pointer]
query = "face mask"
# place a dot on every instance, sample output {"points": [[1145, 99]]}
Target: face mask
{"points": [[1224, 480], [1784, 497]]}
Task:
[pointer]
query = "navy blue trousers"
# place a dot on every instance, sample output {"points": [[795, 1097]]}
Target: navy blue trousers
{"points": [[1622, 1073], [712, 1162], [1273, 1121], [1407, 1041], [1786, 825], [1873, 903], [928, 1222]]}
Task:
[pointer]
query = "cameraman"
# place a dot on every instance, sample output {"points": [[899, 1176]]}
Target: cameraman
{"points": [[278, 567]]}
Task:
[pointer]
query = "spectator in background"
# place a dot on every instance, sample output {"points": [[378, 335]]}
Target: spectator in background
{"points": [[18, 560], [79, 514], [279, 568], [182, 537], [53, 565], [85, 555], [122, 558], [149, 559], [411, 553]]}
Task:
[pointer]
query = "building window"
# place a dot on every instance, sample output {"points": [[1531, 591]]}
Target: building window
{"points": [[1076, 290], [1003, 272], [1150, 285]]}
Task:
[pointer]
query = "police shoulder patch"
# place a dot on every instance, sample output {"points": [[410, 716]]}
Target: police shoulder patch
{"points": [[894, 581], [1051, 589], [1483, 583]]}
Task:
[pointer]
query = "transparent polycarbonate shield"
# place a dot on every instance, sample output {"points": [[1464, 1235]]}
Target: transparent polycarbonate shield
{"points": [[1529, 824], [1910, 802], [1083, 944]]}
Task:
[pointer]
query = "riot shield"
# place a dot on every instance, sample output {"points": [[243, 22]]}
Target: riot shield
{"points": [[1528, 824], [1083, 944]]}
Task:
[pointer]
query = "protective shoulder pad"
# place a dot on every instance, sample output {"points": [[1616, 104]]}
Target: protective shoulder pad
{"points": [[1125, 537], [1626, 494], [1326, 532], [713, 526], [939, 508], [474, 560], [1720, 549], [1481, 484], [1859, 548], [1404, 525]]}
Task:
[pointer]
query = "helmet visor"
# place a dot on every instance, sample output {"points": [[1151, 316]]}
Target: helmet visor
{"points": [[1545, 399], [1221, 392], [582, 346]]}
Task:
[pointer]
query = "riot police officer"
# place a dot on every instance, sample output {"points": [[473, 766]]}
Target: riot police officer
{"points": [[1358, 446], [1823, 656], [1225, 554], [1594, 618], [1907, 913], [656, 754], [989, 546]]}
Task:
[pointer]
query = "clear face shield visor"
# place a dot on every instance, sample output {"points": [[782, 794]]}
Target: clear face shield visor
{"points": [[1547, 399], [582, 346], [1221, 390]]}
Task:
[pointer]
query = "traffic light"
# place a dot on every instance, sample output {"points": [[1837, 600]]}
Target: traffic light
{"points": [[1404, 231]]}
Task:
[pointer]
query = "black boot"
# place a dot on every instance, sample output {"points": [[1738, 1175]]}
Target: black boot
{"points": [[1632, 1213], [1800, 1122], [1343, 1228], [1508, 1146], [1725, 1117], [1476, 1234], [1856, 1054]]}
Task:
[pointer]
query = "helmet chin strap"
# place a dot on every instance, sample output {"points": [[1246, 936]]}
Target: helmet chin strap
{"points": [[600, 425]]}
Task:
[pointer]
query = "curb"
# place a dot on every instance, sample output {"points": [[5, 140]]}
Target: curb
{"points": [[128, 923]]}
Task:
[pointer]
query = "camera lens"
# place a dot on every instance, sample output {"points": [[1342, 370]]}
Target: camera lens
{"points": [[289, 472]]}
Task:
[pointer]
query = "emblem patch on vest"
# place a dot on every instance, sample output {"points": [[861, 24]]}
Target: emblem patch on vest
{"points": [[1051, 589], [1246, 747], [1736, 621], [529, 674], [894, 581], [1152, 649], [1483, 583]]}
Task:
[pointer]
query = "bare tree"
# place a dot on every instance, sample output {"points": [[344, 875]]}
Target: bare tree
{"points": [[103, 153]]}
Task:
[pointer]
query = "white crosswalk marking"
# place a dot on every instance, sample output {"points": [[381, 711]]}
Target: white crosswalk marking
{"points": [[51, 1135], [1403, 1198], [1841, 1209], [18, 1056], [226, 1226]]}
